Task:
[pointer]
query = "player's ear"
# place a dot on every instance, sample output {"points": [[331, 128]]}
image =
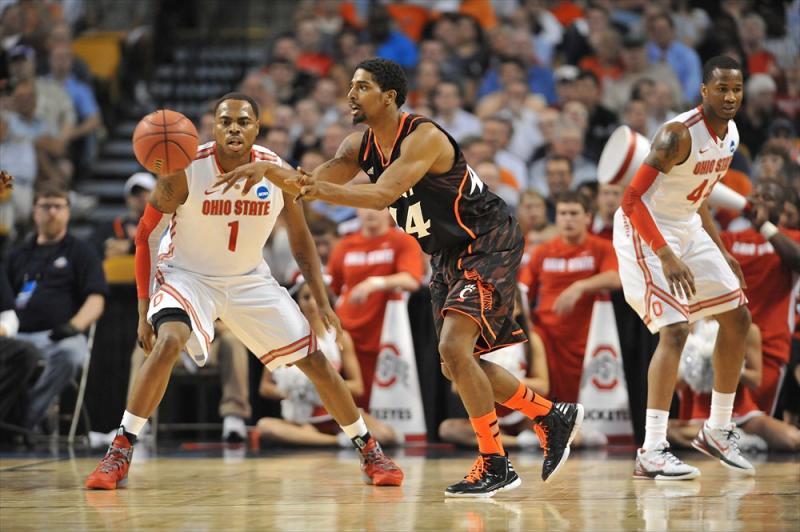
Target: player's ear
{"points": [[703, 90], [391, 96]]}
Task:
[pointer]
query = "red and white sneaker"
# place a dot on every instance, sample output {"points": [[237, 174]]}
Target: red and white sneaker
{"points": [[377, 468], [112, 471]]}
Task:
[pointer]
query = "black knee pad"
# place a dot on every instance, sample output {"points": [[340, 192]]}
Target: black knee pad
{"points": [[170, 314]]}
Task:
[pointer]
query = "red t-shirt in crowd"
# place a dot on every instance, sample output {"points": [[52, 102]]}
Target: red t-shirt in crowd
{"points": [[354, 259], [769, 288]]}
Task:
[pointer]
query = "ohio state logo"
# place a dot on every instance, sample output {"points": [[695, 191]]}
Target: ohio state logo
{"points": [[390, 367], [603, 368]]}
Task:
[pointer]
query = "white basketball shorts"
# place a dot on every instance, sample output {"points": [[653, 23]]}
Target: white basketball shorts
{"points": [[646, 288], [258, 310]]}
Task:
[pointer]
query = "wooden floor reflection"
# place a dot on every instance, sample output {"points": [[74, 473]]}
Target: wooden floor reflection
{"points": [[322, 491]]}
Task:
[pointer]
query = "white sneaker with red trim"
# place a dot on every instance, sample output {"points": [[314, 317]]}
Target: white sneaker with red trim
{"points": [[723, 445]]}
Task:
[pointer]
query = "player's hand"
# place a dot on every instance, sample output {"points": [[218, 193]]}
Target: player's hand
{"points": [[567, 299], [301, 180], [250, 173], [145, 335], [6, 180], [331, 321], [736, 267], [307, 185], [679, 277]]}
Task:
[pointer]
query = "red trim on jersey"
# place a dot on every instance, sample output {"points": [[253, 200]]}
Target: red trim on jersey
{"points": [[202, 154], [635, 209], [173, 230], [369, 145], [650, 288], [692, 120], [708, 127], [312, 345], [187, 306], [411, 124], [455, 206], [216, 160], [268, 357], [714, 301], [150, 219], [384, 162]]}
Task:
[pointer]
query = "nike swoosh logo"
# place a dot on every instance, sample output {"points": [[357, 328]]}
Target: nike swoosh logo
{"points": [[212, 191], [705, 150]]}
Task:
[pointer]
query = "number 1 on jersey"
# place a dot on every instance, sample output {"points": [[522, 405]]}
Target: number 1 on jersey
{"points": [[234, 235]]}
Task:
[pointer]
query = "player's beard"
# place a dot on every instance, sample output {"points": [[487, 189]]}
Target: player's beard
{"points": [[359, 118]]}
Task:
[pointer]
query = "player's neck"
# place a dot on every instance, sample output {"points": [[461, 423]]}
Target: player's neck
{"points": [[718, 125], [230, 163], [385, 127]]}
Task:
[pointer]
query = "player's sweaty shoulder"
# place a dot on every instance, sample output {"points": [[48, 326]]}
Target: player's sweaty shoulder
{"points": [[171, 191], [432, 144], [671, 146]]}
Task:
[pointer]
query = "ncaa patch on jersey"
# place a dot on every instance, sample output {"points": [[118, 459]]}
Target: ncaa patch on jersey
{"points": [[262, 192]]}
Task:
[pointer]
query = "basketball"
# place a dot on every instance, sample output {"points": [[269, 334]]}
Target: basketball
{"points": [[165, 142]]}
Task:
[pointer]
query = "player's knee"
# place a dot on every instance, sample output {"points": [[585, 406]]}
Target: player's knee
{"points": [[674, 337], [454, 356], [740, 319], [167, 348], [445, 370], [266, 428]]}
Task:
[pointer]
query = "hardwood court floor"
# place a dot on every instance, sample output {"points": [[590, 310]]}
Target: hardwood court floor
{"points": [[322, 491]]}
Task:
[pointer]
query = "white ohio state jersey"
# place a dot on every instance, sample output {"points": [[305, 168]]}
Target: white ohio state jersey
{"points": [[218, 234], [675, 197]]}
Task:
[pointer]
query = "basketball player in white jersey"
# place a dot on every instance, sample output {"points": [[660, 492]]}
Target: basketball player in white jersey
{"points": [[209, 265], [675, 269]]}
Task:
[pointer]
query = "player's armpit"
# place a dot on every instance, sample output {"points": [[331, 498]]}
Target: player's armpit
{"points": [[671, 146], [171, 191], [344, 166]]}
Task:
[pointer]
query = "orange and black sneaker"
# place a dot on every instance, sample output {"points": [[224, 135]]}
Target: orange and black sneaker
{"points": [[489, 474], [556, 431], [377, 468], [112, 472]]}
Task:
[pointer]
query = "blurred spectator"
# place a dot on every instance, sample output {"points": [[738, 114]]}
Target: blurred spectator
{"points": [[548, 119], [567, 142], [660, 107], [89, 119], [788, 97], [576, 43], [498, 131], [428, 78], [510, 68], [532, 218], [784, 134], [435, 52], [609, 197], [753, 31], [605, 62], [311, 58], [684, 61], [544, 28], [758, 111], [60, 291], [53, 104], [772, 162], [470, 48], [205, 128], [558, 178], [635, 68], [575, 113], [602, 122], [390, 43], [410, 18], [277, 140], [477, 150], [261, 88], [516, 103], [290, 85], [490, 174], [332, 138], [365, 268], [634, 115], [305, 133], [114, 239], [61, 34], [562, 277], [326, 94], [565, 77], [448, 102], [691, 22]]}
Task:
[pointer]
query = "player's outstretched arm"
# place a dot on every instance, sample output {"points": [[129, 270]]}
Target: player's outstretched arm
{"points": [[671, 146], [171, 191], [305, 254], [419, 151], [344, 165]]}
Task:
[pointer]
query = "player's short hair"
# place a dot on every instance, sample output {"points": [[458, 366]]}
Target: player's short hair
{"points": [[241, 97], [573, 196], [722, 62], [388, 75]]}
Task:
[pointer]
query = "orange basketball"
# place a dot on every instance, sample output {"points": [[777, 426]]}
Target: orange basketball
{"points": [[165, 142]]}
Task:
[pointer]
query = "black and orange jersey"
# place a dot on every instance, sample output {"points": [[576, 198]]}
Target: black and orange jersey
{"points": [[442, 211]]}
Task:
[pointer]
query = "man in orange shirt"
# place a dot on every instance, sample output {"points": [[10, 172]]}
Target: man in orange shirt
{"points": [[365, 268], [770, 258], [562, 277]]}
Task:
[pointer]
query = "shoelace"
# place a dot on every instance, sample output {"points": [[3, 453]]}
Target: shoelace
{"points": [[114, 459], [731, 435], [542, 433], [478, 468], [377, 457], [669, 457]]}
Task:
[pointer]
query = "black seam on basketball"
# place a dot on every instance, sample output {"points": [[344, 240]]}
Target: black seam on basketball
{"points": [[144, 135], [181, 148], [166, 139], [164, 123]]}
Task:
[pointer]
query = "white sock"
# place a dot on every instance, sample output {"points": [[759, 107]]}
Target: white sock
{"points": [[721, 409], [354, 430], [655, 428], [132, 424]]}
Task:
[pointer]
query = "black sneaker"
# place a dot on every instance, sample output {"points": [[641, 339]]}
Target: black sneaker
{"points": [[489, 474], [555, 431]]}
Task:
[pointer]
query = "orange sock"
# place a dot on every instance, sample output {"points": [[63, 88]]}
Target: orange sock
{"points": [[488, 432], [528, 402]]}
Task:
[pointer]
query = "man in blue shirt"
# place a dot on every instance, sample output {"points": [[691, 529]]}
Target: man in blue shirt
{"points": [[684, 61]]}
